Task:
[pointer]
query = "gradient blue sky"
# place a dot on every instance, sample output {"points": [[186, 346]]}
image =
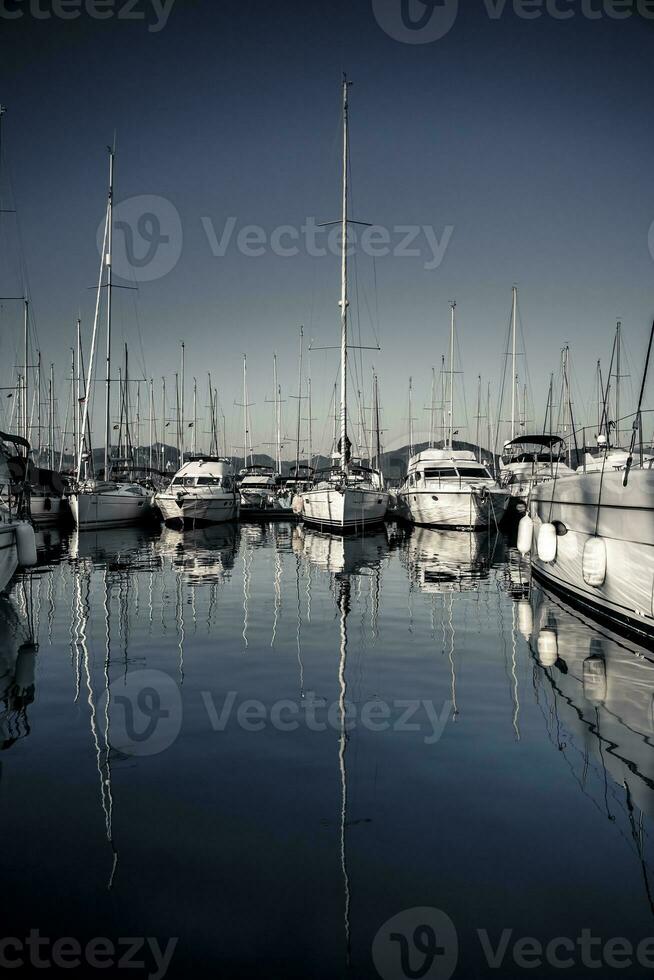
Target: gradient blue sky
{"points": [[532, 138]]}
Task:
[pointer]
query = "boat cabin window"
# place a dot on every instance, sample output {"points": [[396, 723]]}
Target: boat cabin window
{"points": [[209, 481], [438, 474], [479, 471]]}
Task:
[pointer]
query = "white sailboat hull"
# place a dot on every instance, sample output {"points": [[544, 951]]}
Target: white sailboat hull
{"points": [[118, 507], [8, 554], [344, 508], [47, 511], [624, 520], [190, 509], [455, 507]]}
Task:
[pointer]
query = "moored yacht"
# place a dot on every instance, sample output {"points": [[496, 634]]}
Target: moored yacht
{"points": [[202, 492], [350, 497], [17, 541], [258, 487], [592, 537], [449, 488], [527, 461]]}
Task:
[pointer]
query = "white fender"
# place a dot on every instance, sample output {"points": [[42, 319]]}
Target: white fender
{"points": [[547, 542], [548, 647], [26, 545], [525, 534], [593, 562]]}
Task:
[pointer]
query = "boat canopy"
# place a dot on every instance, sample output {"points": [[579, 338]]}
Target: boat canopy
{"points": [[539, 440]]}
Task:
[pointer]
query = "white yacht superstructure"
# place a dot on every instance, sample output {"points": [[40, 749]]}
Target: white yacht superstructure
{"points": [[202, 492]]}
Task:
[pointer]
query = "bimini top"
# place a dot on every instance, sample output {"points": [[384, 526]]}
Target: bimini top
{"points": [[539, 440]]}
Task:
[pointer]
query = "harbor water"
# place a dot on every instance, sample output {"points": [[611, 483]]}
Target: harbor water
{"points": [[258, 750]]}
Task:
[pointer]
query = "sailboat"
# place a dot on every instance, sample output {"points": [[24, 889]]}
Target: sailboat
{"points": [[528, 460], [352, 497], [105, 503], [448, 487]]}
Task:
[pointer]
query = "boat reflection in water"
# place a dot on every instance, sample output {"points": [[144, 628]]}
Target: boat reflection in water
{"points": [[17, 672], [596, 691], [442, 561], [205, 555], [338, 554]]}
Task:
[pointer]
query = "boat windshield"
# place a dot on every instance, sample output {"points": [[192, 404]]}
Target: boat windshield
{"points": [[465, 470]]}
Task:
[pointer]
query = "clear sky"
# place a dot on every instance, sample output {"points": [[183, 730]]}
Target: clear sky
{"points": [[524, 146]]}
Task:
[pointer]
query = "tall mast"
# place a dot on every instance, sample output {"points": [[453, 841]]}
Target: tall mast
{"points": [[345, 455], [410, 417], [75, 405], [478, 417], [489, 425], [245, 411], [599, 397], [108, 260], [181, 424], [310, 432], [195, 416], [618, 345], [443, 400], [514, 309], [278, 396], [451, 407], [336, 420], [375, 408], [51, 434], [163, 424], [26, 346], [39, 413], [78, 401], [432, 409], [151, 426], [299, 403]]}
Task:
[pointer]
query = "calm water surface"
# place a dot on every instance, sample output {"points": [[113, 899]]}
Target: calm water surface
{"points": [[266, 743]]}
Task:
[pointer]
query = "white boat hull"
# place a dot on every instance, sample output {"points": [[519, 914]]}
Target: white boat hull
{"points": [[625, 522], [8, 554], [110, 509], [48, 511], [456, 507], [197, 510], [344, 509]]}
